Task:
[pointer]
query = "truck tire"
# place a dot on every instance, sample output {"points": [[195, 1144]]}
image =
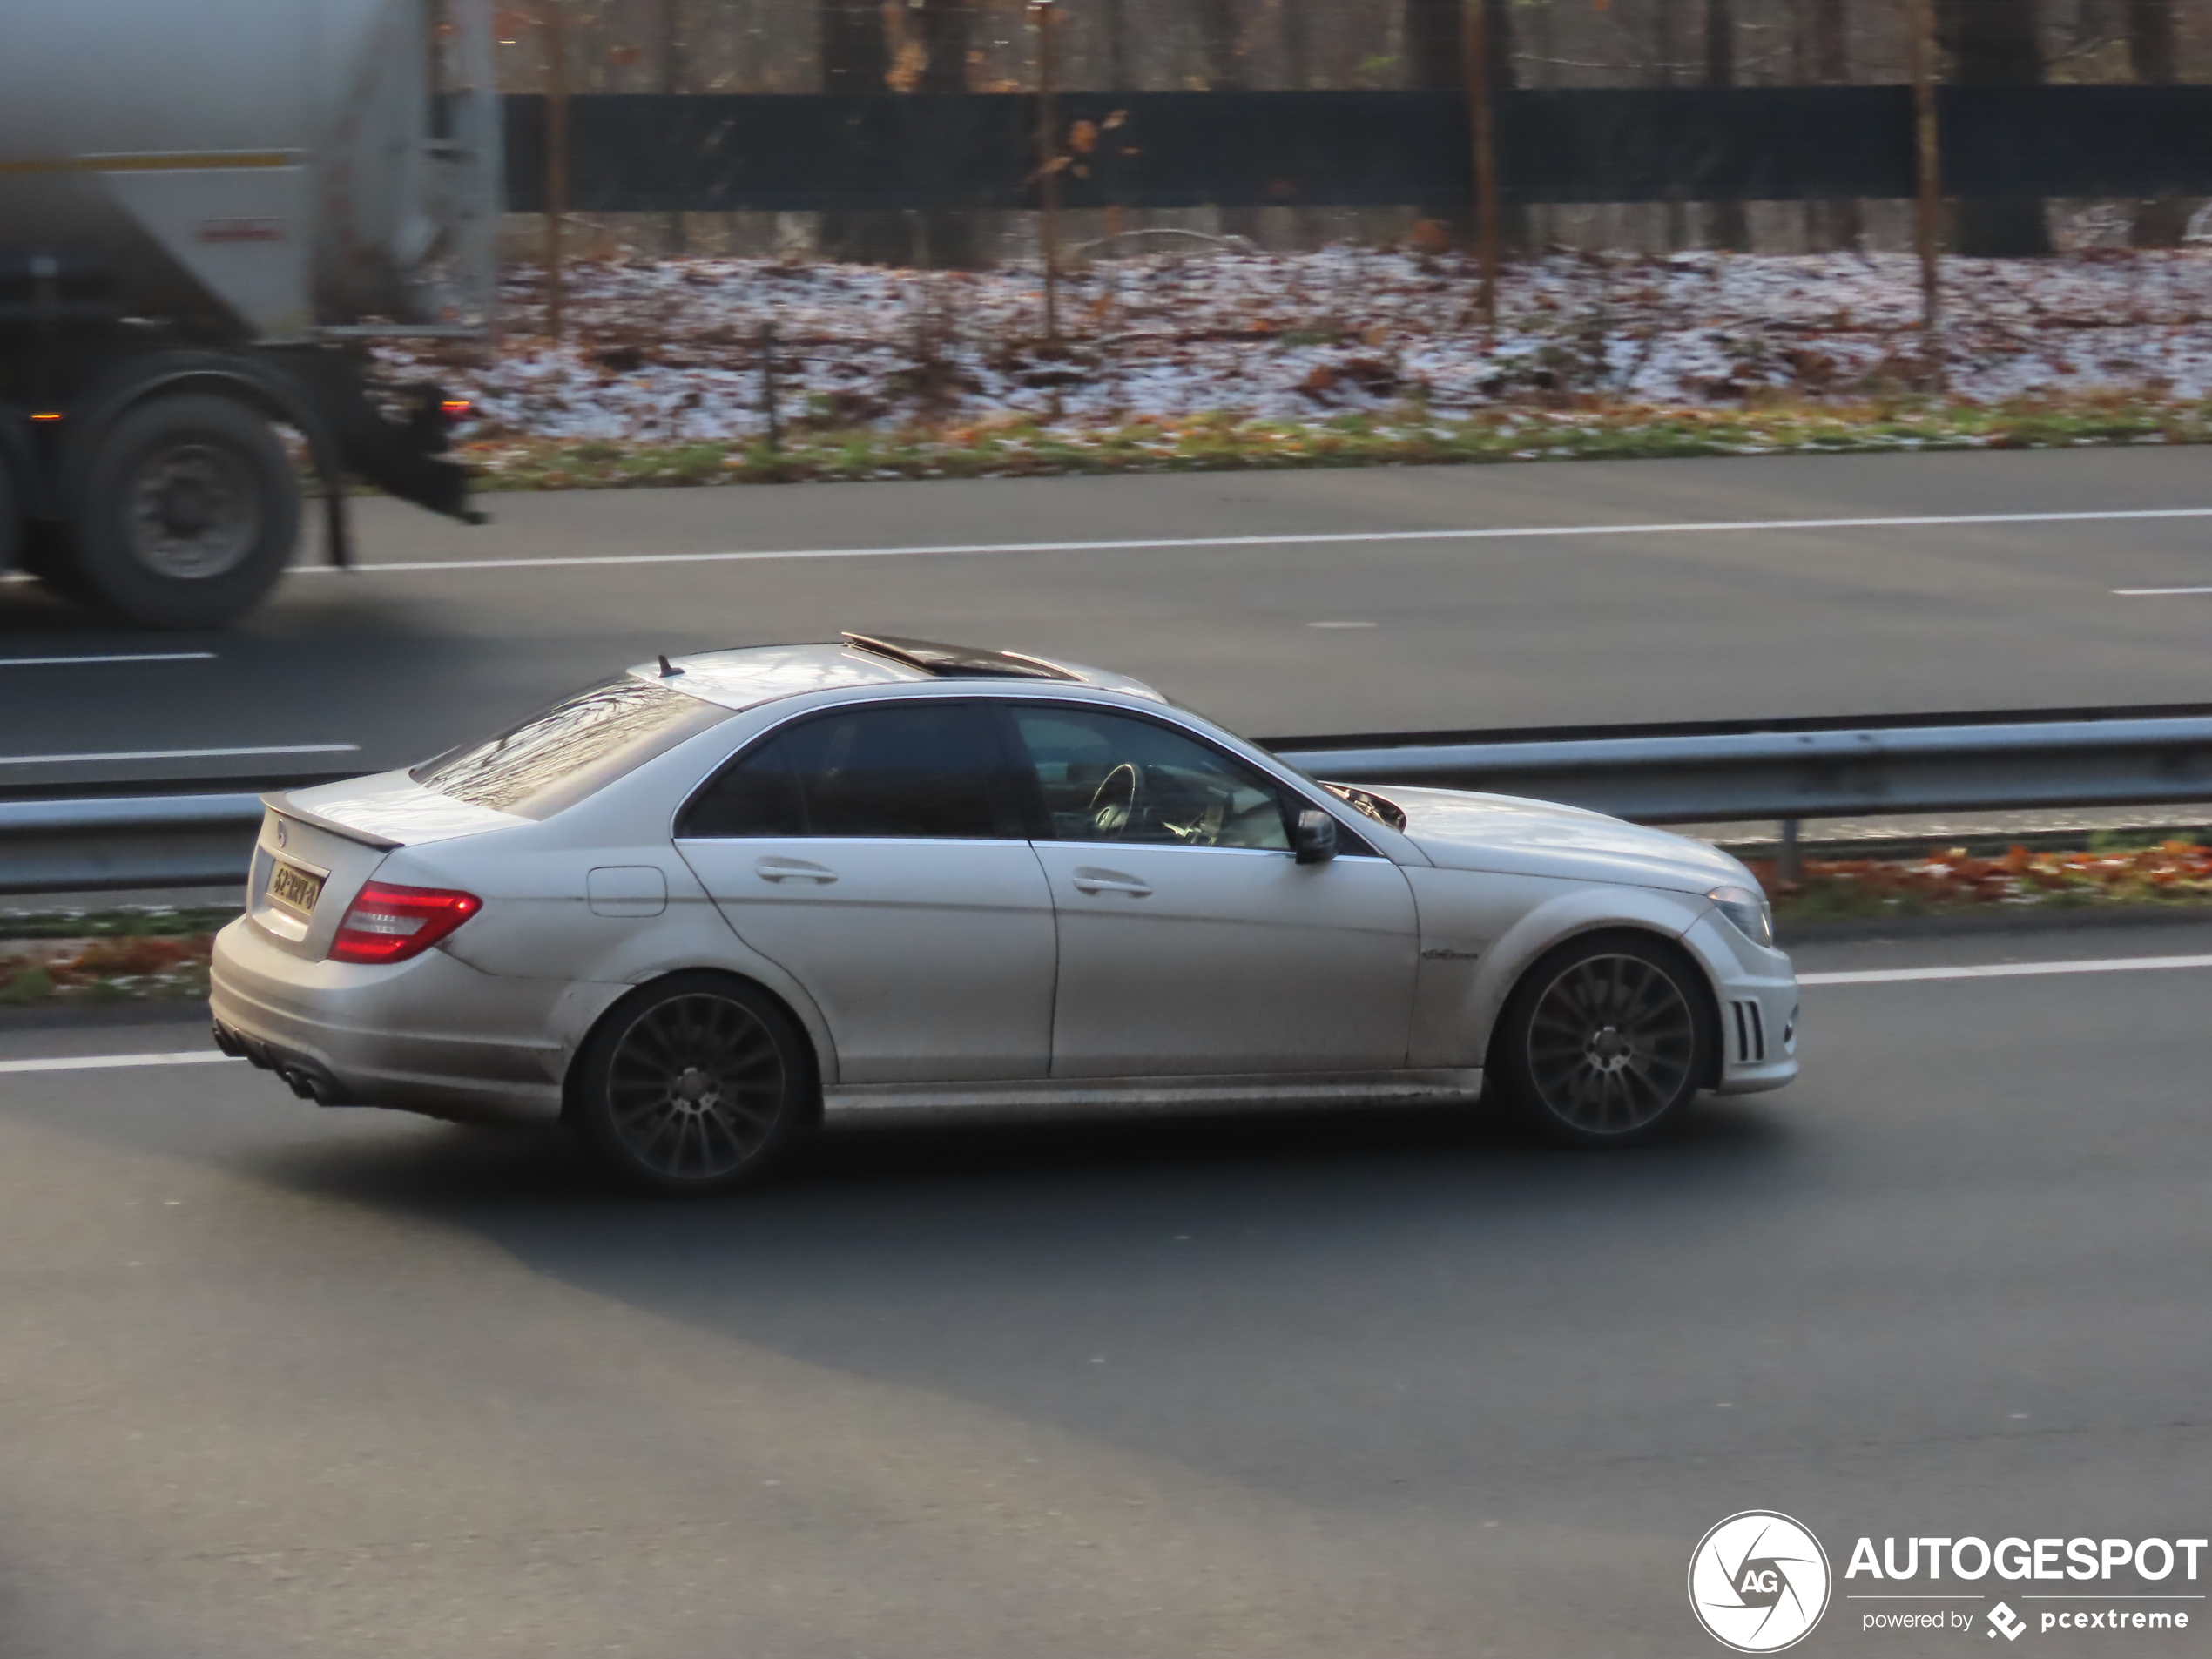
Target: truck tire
{"points": [[187, 513]]}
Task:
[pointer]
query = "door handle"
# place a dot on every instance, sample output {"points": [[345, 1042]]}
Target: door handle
{"points": [[1089, 881], [794, 870]]}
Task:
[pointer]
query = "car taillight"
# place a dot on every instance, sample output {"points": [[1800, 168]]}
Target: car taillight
{"points": [[387, 923]]}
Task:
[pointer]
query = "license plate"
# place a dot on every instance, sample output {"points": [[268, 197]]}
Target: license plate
{"points": [[295, 888]]}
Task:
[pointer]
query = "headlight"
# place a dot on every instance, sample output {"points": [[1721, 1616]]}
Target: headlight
{"points": [[1749, 911]]}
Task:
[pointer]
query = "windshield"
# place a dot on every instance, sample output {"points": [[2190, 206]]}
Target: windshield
{"points": [[578, 746]]}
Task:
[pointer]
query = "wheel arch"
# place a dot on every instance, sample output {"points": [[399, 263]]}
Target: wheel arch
{"points": [[820, 1061], [261, 387], [1660, 917], [1702, 990]]}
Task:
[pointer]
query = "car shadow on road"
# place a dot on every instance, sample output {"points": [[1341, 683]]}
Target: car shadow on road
{"points": [[1135, 1282]]}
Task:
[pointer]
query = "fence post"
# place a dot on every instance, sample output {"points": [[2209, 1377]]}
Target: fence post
{"points": [[556, 159], [1791, 864], [1475, 27], [1049, 162], [1928, 204], [768, 400]]}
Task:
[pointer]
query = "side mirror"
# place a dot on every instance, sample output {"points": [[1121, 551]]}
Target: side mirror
{"points": [[1315, 839]]}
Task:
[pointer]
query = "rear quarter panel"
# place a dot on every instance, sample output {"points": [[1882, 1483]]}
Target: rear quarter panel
{"points": [[537, 924]]}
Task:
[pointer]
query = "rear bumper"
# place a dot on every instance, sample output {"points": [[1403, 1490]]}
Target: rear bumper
{"points": [[431, 1035]]}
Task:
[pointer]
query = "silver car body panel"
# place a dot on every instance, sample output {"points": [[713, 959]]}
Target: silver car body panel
{"points": [[1192, 960], [391, 806], [930, 959], [1259, 1090], [1377, 977]]}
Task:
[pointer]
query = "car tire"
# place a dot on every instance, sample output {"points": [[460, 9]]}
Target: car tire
{"points": [[1605, 1039], [186, 514], [695, 1084]]}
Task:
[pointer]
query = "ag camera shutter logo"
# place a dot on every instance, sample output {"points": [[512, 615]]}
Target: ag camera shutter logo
{"points": [[1758, 1581]]}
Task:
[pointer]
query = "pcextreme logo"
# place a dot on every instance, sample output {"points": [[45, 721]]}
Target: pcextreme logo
{"points": [[1758, 1581]]}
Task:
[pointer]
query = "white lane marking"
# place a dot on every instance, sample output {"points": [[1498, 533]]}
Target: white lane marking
{"points": [[2005, 970], [182, 754], [1310, 539], [2151, 593], [120, 657], [1343, 624], [108, 1061]]}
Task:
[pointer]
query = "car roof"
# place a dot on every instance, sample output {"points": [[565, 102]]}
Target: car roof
{"points": [[747, 676]]}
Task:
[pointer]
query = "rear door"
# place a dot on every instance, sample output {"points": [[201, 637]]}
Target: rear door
{"points": [[879, 854], [1191, 941]]}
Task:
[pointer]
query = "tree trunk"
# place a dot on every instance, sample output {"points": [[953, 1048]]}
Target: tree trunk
{"points": [[1730, 225], [1830, 225], [1666, 52], [1113, 20], [1308, 225], [1222, 59], [1996, 45], [2151, 54], [672, 82], [856, 57], [949, 224], [1436, 53]]}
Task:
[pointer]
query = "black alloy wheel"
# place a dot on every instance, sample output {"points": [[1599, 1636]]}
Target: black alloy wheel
{"points": [[1604, 1040], [694, 1084]]}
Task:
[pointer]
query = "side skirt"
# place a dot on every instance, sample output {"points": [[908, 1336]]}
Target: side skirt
{"points": [[1257, 1091]]}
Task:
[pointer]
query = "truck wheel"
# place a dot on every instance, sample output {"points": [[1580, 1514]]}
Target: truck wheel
{"points": [[188, 514]]}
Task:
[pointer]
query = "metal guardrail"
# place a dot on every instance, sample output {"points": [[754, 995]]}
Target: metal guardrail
{"points": [[1806, 768], [126, 841], [1712, 773]]}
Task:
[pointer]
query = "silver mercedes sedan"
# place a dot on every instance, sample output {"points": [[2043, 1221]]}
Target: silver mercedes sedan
{"points": [[684, 911]]}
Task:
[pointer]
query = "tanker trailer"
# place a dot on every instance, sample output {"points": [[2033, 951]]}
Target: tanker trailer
{"points": [[208, 213]]}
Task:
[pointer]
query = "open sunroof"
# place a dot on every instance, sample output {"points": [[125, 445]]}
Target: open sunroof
{"points": [[959, 662]]}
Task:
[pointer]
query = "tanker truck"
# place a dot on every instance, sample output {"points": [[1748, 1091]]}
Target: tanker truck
{"points": [[208, 213]]}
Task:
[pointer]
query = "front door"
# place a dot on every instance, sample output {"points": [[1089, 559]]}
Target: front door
{"points": [[1191, 941], [879, 856]]}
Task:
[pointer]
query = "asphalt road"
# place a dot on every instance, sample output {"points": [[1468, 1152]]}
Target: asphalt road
{"points": [[1498, 629], [278, 1381]]}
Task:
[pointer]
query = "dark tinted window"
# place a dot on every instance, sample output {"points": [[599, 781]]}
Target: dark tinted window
{"points": [[1109, 776], [929, 769], [563, 753]]}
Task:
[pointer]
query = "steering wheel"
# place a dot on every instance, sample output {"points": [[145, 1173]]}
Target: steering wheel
{"points": [[1115, 803]]}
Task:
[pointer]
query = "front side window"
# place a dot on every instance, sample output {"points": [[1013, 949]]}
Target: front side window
{"points": [[572, 750], [1108, 777], [909, 769]]}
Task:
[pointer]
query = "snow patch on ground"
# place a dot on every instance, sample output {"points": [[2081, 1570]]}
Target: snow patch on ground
{"points": [[668, 351]]}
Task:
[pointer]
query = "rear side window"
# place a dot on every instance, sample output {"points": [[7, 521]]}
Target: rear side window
{"points": [[576, 748], [917, 770]]}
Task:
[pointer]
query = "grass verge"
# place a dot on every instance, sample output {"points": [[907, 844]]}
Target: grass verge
{"points": [[140, 955], [2112, 870], [1585, 429]]}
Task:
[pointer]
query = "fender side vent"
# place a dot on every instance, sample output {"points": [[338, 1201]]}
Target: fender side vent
{"points": [[1750, 1032]]}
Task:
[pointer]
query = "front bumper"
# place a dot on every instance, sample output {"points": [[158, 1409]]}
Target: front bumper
{"points": [[431, 1035], [1757, 991]]}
